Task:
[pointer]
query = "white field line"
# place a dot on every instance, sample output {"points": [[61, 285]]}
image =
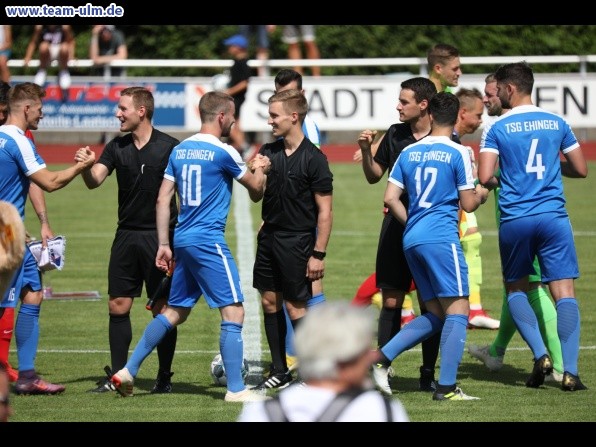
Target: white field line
{"points": [[203, 351], [245, 255]]}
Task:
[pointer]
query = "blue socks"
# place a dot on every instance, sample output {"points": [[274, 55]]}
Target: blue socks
{"points": [[155, 331], [527, 324], [568, 328], [419, 329], [231, 348], [27, 335], [453, 341]]}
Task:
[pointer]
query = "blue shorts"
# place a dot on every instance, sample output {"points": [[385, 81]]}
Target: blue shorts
{"points": [[26, 276], [439, 270], [547, 236], [207, 269], [6, 53], [261, 32]]}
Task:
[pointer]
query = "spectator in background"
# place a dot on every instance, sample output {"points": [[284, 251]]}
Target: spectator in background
{"points": [[54, 42], [107, 45], [5, 51], [239, 76], [292, 35], [262, 37]]}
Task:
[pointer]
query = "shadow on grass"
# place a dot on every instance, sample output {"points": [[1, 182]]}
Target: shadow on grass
{"points": [[142, 387]]}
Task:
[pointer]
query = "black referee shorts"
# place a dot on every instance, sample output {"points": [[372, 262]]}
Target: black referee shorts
{"points": [[132, 263], [280, 263], [392, 268]]}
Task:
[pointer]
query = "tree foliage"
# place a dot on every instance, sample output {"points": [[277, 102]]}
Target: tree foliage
{"points": [[341, 41]]}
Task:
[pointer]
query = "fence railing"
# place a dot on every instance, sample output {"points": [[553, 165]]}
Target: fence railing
{"points": [[581, 60]]}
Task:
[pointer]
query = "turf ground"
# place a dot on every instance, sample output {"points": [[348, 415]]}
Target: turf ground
{"points": [[74, 348]]}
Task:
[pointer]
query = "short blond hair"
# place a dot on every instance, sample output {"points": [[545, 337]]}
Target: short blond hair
{"points": [[293, 101]]}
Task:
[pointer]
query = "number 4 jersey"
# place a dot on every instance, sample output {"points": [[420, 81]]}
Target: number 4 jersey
{"points": [[528, 141]]}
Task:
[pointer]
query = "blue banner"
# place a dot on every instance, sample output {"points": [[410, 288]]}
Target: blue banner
{"points": [[93, 105]]}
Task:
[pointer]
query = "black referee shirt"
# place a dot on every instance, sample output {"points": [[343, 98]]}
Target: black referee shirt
{"points": [[289, 201], [139, 173]]}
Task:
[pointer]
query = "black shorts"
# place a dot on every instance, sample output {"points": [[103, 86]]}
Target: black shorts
{"points": [[132, 263], [280, 263], [392, 268]]}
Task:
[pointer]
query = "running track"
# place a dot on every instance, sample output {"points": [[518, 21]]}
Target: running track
{"points": [[336, 153]]}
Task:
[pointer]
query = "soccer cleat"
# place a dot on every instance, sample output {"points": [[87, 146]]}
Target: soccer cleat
{"points": [[12, 373], [427, 380], [291, 360], [278, 380], [405, 319], [163, 383], [482, 353], [572, 383], [542, 368], [456, 394], [479, 319], [123, 382], [380, 375], [555, 376], [245, 395], [37, 386], [103, 386]]}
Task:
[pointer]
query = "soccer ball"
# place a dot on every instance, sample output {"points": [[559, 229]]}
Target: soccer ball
{"points": [[218, 372], [220, 82]]}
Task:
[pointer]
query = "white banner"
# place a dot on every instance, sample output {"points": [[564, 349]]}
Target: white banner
{"points": [[350, 103]]}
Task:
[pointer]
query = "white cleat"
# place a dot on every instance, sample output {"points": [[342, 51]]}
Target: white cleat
{"points": [[479, 319], [482, 353], [245, 395], [123, 381], [555, 376], [380, 376], [456, 394]]}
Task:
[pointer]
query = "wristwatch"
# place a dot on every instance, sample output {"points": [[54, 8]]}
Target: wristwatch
{"points": [[320, 255]]}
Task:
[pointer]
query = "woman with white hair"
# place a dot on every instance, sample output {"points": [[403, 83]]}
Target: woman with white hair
{"points": [[334, 349]]}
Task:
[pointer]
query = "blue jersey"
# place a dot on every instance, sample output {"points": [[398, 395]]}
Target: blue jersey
{"points": [[18, 160], [528, 141], [431, 172], [203, 169]]}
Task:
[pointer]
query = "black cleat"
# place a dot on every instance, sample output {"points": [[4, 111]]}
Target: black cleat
{"points": [[572, 383], [277, 380], [103, 386], [163, 383], [542, 368], [111, 385], [427, 380]]}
